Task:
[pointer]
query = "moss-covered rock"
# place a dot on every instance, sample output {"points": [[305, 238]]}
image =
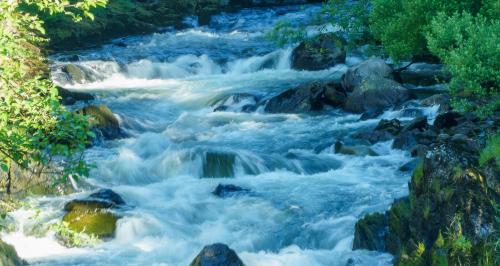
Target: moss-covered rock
{"points": [[91, 217], [322, 52], [8, 255], [94, 215], [450, 216], [102, 121]]}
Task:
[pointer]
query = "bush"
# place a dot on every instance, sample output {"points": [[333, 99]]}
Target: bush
{"points": [[469, 47]]}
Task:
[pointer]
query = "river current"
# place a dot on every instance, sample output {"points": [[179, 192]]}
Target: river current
{"points": [[304, 199]]}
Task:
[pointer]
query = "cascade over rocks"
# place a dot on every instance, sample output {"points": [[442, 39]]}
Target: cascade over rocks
{"points": [[443, 100], [322, 52], [218, 164], [239, 102], [217, 255]]}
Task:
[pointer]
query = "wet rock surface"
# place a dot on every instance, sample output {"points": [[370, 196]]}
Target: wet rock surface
{"points": [[322, 52], [217, 255], [451, 197]]}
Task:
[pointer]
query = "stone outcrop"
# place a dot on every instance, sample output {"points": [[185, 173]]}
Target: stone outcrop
{"points": [[217, 255]]}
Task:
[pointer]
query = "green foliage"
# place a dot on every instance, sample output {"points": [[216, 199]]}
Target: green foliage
{"points": [[469, 47], [35, 130], [491, 151], [402, 25], [73, 238]]}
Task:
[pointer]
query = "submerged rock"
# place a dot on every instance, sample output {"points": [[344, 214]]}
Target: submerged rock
{"points": [[217, 255], [322, 52], [228, 190], [77, 74], [102, 121], [357, 150], [8, 256], [218, 164]]}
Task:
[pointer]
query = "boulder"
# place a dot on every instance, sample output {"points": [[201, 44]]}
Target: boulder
{"points": [[419, 123], [217, 255], [71, 97], [228, 190], [8, 255], [218, 164], [371, 68], [91, 217], [376, 94], [94, 215], [423, 74], [102, 121], [322, 52], [334, 94], [304, 98]]}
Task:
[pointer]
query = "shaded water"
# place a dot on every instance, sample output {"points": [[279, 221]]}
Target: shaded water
{"points": [[304, 199]]}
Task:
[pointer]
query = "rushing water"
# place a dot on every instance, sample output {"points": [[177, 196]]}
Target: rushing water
{"points": [[304, 199]]}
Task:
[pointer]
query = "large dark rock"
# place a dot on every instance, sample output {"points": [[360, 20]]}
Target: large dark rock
{"points": [[423, 74], [78, 74], [108, 195], [304, 98], [217, 255], [8, 256], [323, 51], [447, 120], [102, 121], [71, 97], [376, 93], [371, 68], [334, 94], [384, 131]]}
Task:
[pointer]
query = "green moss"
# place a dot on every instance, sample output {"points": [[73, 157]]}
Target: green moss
{"points": [[91, 220], [491, 151], [100, 115], [418, 174]]}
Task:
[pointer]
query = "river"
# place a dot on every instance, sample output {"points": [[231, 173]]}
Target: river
{"points": [[303, 199]]}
